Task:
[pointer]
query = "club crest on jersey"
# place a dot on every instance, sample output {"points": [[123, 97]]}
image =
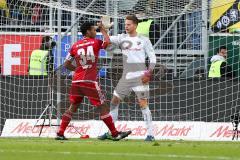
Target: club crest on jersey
{"points": [[138, 43], [126, 45]]}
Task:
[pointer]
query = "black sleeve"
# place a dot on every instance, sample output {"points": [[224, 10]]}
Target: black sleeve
{"points": [[223, 69], [49, 62], [154, 32], [226, 70]]}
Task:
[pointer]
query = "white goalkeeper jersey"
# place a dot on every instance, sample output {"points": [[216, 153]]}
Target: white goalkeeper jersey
{"points": [[135, 50]]}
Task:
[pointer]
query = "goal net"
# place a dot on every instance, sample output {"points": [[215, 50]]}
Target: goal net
{"points": [[185, 35]]}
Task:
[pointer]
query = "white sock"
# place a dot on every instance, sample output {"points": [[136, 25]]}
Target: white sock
{"points": [[147, 116], [114, 112]]}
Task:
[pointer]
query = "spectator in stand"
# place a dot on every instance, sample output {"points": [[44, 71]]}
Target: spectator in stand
{"points": [[36, 14], [23, 10], [4, 12], [15, 14]]}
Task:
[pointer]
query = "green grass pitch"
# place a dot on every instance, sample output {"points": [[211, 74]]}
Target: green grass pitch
{"points": [[93, 149]]}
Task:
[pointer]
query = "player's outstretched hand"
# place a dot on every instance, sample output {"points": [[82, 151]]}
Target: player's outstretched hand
{"points": [[100, 25], [146, 77], [106, 22]]}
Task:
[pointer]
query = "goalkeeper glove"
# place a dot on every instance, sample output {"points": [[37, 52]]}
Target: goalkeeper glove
{"points": [[146, 77]]}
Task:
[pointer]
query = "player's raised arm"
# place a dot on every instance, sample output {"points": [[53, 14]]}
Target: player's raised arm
{"points": [[115, 40], [104, 26], [105, 35]]}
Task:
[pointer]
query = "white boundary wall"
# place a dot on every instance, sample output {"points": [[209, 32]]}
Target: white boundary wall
{"points": [[203, 131]]}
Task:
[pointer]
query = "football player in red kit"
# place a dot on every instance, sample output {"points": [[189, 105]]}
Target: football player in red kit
{"points": [[84, 83]]}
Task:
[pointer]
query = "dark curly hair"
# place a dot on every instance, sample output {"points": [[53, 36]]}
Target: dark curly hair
{"points": [[85, 27]]}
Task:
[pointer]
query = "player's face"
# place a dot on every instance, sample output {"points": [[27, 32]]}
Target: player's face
{"points": [[130, 27], [92, 32]]}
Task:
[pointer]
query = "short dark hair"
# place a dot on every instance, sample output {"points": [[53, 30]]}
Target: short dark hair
{"points": [[85, 27], [132, 18], [47, 43], [220, 48]]}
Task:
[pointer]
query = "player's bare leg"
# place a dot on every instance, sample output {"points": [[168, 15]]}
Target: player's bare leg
{"points": [[66, 118], [108, 120], [147, 116]]}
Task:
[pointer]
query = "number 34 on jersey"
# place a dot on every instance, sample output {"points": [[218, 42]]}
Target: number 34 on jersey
{"points": [[86, 57]]}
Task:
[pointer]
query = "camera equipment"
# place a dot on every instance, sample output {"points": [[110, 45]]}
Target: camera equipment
{"points": [[235, 118]]}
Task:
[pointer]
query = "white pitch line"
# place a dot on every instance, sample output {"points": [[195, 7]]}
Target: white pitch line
{"points": [[125, 154], [74, 141]]}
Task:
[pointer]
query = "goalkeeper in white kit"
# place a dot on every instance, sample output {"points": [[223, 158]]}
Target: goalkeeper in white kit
{"points": [[136, 75]]}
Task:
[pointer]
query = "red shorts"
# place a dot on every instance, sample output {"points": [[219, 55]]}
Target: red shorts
{"points": [[88, 89]]}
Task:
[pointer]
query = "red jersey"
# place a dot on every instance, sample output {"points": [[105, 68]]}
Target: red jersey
{"points": [[85, 53]]}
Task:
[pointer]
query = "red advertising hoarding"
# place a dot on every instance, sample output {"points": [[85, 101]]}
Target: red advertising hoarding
{"points": [[15, 51]]}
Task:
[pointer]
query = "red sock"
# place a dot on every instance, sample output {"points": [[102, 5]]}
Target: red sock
{"points": [[66, 118], [107, 119]]}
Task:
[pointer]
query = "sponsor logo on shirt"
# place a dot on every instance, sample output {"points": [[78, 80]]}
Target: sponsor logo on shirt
{"points": [[84, 44]]}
